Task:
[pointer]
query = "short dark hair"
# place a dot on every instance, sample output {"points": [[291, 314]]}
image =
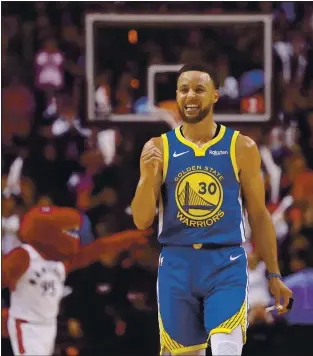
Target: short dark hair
{"points": [[200, 67]]}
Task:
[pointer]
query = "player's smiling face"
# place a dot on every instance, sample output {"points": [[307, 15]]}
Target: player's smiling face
{"points": [[195, 96]]}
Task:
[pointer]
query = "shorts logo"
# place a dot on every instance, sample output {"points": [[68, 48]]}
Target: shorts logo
{"points": [[199, 196], [234, 258]]}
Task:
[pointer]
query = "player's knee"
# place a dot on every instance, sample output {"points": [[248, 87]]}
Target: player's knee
{"points": [[223, 344], [226, 348]]}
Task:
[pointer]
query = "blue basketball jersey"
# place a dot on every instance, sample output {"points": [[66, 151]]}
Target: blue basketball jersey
{"points": [[200, 197]]}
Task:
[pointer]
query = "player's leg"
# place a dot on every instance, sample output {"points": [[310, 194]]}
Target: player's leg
{"points": [[223, 344], [225, 310], [180, 314], [31, 339]]}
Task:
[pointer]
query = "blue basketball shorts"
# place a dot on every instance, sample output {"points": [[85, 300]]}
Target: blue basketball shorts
{"points": [[200, 292]]}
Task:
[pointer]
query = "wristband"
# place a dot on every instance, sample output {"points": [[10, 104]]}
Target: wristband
{"points": [[274, 275]]}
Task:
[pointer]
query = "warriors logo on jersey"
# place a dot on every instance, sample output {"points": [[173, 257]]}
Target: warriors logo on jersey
{"points": [[199, 196]]}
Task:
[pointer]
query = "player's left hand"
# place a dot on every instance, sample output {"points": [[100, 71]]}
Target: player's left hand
{"points": [[280, 290]]}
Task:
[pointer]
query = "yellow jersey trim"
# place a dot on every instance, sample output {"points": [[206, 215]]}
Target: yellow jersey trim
{"points": [[233, 154], [227, 331], [200, 152], [175, 348], [189, 349], [220, 330], [165, 156], [230, 324], [167, 343]]}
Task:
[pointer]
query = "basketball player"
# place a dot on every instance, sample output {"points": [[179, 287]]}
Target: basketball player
{"points": [[199, 173], [36, 271]]}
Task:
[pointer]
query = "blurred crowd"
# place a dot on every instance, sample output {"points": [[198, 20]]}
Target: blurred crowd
{"points": [[51, 154]]}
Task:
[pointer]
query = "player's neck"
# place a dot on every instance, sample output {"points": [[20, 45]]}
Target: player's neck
{"points": [[203, 131]]}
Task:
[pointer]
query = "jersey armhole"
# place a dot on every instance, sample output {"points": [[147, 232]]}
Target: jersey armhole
{"points": [[233, 154], [165, 156]]}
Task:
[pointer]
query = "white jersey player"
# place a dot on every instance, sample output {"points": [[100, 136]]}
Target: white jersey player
{"points": [[37, 287], [35, 301]]}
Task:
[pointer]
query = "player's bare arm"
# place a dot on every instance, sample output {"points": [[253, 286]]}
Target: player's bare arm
{"points": [[148, 190], [263, 232]]}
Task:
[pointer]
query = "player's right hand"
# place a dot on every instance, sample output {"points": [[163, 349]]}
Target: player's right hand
{"points": [[151, 160]]}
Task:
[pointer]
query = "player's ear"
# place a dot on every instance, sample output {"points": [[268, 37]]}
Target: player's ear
{"points": [[216, 96]]}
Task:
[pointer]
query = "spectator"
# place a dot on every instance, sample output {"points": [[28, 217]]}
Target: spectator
{"points": [[49, 62], [17, 110]]}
